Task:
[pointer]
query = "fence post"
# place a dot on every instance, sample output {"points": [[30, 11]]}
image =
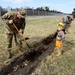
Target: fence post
{"points": [[0, 17], [0, 12], [33, 12]]}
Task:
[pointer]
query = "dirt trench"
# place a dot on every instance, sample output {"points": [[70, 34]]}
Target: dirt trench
{"points": [[26, 63]]}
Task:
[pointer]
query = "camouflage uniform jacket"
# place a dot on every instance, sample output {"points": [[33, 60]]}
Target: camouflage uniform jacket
{"points": [[73, 13], [12, 15]]}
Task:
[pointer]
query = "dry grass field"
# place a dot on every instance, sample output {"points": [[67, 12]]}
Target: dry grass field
{"points": [[63, 65], [36, 29]]}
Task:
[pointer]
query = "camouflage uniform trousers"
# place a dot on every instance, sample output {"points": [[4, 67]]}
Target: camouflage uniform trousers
{"points": [[10, 34], [67, 27]]}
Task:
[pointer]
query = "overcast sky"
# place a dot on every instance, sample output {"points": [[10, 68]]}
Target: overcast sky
{"points": [[65, 6]]}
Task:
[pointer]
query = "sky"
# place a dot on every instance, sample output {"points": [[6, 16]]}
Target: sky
{"points": [[65, 6]]}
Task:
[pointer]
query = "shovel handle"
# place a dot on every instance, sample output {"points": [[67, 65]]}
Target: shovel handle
{"points": [[21, 36], [19, 32]]}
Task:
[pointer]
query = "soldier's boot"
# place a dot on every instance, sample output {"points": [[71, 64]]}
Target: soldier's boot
{"points": [[20, 51], [9, 54]]}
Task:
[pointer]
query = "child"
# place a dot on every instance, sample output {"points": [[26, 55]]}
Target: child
{"points": [[59, 39]]}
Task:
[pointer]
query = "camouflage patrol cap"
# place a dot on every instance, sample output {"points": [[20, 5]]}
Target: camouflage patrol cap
{"points": [[22, 12], [68, 17]]}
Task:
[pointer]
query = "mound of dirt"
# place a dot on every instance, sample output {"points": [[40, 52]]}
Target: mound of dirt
{"points": [[26, 63]]}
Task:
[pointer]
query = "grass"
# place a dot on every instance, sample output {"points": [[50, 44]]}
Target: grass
{"points": [[37, 29], [41, 27], [63, 65]]}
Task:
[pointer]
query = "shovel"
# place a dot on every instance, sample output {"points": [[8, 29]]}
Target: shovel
{"points": [[22, 37]]}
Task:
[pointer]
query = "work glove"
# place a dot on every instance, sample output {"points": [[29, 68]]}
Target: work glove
{"points": [[10, 21], [22, 31], [20, 34]]}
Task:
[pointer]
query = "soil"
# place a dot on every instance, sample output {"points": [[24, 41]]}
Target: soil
{"points": [[26, 63]]}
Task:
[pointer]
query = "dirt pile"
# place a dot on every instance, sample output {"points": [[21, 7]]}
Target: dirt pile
{"points": [[26, 63]]}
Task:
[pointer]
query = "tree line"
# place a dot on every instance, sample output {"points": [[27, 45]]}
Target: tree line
{"points": [[44, 9]]}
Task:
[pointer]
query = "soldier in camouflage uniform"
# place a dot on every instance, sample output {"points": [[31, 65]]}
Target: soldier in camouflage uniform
{"points": [[17, 18], [73, 13], [67, 22]]}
